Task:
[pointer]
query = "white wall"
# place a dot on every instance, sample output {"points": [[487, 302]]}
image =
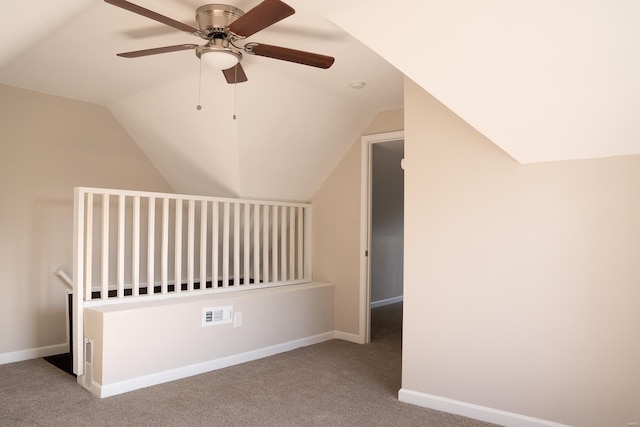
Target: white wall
{"points": [[521, 282], [387, 221], [50, 145], [142, 344], [336, 228]]}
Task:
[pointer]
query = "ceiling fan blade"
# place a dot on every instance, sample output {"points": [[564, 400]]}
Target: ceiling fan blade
{"points": [[157, 50], [291, 55], [260, 17], [155, 16], [235, 74]]}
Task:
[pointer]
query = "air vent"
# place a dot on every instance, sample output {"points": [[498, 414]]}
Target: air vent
{"points": [[217, 315], [88, 364]]}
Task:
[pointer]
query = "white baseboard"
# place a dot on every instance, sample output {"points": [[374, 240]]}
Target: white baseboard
{"points": [[33, 353], [470, 410], [107, 390], [345, 336], [387, 301]]}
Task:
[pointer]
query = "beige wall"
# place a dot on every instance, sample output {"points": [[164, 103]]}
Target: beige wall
{"points": [[522, 283], [141, 344], [336, 227], [48, 146]]}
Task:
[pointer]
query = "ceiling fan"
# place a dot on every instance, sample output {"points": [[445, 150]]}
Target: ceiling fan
{"points": [[222, 26]]}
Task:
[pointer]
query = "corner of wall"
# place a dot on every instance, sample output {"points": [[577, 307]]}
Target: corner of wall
{"points": [[336, 227]]}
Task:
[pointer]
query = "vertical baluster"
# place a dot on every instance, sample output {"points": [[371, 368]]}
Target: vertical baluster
{"points": [[247, 243], [177, 260], [274, 244], [236, 244], [120, 256], [256, 244], [308, 220], [88, 248], [190, 244], [225, 246], [292, 243], [164, 259], [283, 243], [104, 273], [151, 251], [203, 244], [135, 247], [300, 263], [215, 255], [265, 243]]}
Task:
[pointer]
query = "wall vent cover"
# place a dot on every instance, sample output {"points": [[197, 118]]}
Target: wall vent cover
{"points": [[217, 315], [88, 364]]}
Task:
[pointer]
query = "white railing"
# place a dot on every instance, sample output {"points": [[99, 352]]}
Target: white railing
{"points": [[131, 246]]}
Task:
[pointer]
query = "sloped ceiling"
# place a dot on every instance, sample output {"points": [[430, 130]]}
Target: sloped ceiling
{"points": [[293, 123], [544, 80]]}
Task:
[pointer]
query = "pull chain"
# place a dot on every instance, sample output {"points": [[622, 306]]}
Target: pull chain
{"points": [[199, 107], [235, 90]]}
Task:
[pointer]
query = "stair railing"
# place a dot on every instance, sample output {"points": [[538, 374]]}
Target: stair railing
{"points": [[131, 246]]}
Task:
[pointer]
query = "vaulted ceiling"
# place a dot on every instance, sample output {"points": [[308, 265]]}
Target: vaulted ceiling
{"points": [[544, 80]]}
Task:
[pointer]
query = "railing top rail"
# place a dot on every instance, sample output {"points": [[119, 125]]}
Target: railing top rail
{"points": [[175, 196]]}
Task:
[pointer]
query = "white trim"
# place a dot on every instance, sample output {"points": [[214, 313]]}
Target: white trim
{"points": [[365, 229], [107, 390], [176, 196], [188, 294], [364, 321], [470, 410], [33, 353], [65, 278], [68, 325], [345, 336], [77, 347], [387, 301]]}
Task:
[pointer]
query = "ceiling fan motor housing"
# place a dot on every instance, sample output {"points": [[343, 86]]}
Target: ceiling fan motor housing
{"points": [[215, 18]]}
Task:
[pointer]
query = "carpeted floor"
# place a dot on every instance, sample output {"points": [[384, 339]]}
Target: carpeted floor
{"points": [[335, 383]]}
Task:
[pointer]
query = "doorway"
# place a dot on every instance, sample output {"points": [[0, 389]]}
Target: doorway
{"points": [[382, 231]]}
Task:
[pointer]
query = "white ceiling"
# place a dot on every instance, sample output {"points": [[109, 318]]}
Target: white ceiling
{"points": [[294, 123], [544, 80]]}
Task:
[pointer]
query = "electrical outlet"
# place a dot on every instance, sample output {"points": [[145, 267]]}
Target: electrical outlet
{"points": [[237, 319]]}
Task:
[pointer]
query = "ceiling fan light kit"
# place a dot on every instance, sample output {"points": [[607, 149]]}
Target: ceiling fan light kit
{"points": [[217, 54], [222, 26]]}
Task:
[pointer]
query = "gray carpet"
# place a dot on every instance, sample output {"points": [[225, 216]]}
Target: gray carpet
{"points": [[334, 383]]}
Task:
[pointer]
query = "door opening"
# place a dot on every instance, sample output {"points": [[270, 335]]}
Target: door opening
{"points": [[382, 232]]}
